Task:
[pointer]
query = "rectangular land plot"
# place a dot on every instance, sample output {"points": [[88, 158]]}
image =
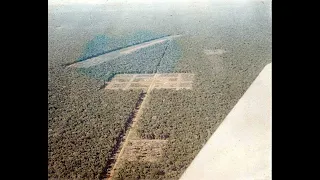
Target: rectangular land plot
{"points": [[121, 80], [186, 85], [116, 85], [173, 79], [144, 89], [154, 81], [143, 79], [142, 85], [166, 85], [143, 150], [186, 77]]}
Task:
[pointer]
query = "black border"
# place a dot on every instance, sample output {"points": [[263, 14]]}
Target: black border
{"points": [[294, 83], [26, 81]]}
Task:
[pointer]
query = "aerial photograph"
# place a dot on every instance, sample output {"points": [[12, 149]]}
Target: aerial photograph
{"points": [[159, 89]]}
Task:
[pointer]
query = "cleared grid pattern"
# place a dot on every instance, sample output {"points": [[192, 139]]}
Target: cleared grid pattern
{"points": [[143, 150], [154, 81]]}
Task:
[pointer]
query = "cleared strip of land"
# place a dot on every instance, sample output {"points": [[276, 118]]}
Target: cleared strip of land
{"points": [[120, 52]]}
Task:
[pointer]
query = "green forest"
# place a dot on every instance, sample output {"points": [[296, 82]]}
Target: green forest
{"points": [[188, 118], [85, 122], [83, 125]]}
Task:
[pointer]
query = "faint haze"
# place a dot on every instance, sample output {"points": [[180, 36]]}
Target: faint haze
{"points": [[58, 2]]}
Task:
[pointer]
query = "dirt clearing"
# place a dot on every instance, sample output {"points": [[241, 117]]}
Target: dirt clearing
{"points": [[158, 81]]}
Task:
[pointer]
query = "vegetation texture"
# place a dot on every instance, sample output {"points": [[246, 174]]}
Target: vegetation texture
{"points": [[84, 127], [188, 118], [85, 122], [159, 58]]}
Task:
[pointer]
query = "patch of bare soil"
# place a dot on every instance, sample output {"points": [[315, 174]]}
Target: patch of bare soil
{"points": [[159, 81], [143, 150]]}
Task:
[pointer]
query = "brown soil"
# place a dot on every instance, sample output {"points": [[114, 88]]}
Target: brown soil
{"points": [[160, 81]]}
